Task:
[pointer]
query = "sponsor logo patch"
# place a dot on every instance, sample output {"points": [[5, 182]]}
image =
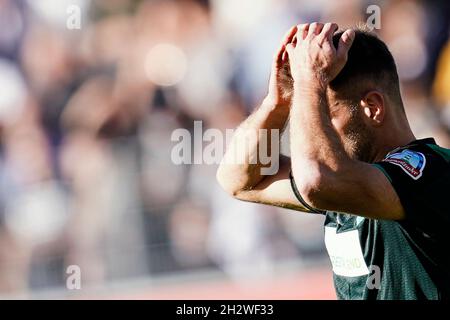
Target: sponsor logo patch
{"points": [[412, 162]]}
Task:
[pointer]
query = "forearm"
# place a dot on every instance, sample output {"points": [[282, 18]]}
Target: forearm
{"points": [[313, 137], [317, 153], [241, 167]]}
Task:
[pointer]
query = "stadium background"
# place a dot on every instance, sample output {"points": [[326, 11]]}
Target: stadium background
{"points": [[86, 118]]}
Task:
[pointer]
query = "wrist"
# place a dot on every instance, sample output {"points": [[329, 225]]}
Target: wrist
{"points": [[310, 81], [271, 103], [308, 86], [308, 95]]}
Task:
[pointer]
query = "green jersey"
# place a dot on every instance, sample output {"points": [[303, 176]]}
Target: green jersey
{"points": [[407, 259]]}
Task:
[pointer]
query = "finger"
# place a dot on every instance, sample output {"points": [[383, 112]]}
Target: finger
{"points": [[328, 31], [287, 38], [289, 35], [314, 29], [302, 31], [284, 54], [345, 42], [294, 44], [294, 40], [290, 49]]}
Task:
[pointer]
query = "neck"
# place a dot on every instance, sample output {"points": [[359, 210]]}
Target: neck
{"points": [[393, 139]]}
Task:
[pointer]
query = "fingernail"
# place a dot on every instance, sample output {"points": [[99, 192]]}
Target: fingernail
{"points": [[351, 34], [348, 36]]}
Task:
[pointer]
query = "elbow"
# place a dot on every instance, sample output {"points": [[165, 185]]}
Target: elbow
{"points": [[227, 182], [314, 187]]}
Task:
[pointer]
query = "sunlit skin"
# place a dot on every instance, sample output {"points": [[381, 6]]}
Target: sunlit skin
{"points": [[332, 140], [367, 129]]}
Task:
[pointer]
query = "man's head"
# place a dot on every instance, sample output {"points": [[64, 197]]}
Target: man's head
{"points": [[364, 98]]}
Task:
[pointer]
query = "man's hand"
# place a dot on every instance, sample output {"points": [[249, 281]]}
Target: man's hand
{"points": [[280, 83], [313, 59]]}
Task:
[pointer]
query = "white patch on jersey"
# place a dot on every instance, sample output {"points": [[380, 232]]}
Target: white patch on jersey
{"points": [[359, 220], [345, 253], [412, 162]]}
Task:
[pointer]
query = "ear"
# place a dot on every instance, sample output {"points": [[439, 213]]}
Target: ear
{"points": [[373, 106]]}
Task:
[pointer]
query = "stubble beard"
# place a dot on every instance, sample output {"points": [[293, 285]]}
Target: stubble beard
{"points": [[359, 139]]}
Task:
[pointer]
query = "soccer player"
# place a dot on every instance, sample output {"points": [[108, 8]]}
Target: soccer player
{"points": [[355, 160]]}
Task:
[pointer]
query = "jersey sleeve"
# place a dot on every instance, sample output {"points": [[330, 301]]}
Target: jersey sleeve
{"points": [[422, 183]]}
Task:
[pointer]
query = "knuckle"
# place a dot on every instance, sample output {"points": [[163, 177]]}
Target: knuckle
{"points": [[302, 27], [341, 57]]}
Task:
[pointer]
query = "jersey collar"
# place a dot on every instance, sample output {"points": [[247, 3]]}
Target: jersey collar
{"points": [[413, 143]]}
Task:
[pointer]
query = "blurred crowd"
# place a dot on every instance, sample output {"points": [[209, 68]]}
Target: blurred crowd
{"points": [[86, 118]]}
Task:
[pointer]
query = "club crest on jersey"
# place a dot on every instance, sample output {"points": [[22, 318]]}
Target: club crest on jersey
{"points": [[412, 162]]}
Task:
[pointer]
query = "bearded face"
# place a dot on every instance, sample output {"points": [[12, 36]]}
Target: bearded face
{"points": [[357, 137]]}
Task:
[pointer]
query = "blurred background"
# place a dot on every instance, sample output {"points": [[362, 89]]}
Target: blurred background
{"points": [[86, 118]]}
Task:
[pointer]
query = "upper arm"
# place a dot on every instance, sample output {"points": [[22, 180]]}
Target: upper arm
{"points": [[275, 190], [361, 189], [422, 183], [408, 185]]}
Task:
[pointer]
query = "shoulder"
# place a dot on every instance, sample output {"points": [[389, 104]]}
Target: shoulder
{"points": [[416, 163], [420, 175]]}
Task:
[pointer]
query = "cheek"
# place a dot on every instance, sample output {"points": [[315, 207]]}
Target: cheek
{"points": [[341, 123]]}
